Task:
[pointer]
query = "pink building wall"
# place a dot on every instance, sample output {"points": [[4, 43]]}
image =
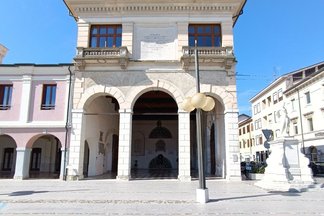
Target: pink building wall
{"points": [[57, 114], [13, 113]]}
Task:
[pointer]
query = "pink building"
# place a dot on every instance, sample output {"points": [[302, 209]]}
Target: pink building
{"points": [[34, 130]]}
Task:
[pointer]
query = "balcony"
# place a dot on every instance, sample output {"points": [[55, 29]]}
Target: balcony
{"points": [[111, 56], [222, 56]]}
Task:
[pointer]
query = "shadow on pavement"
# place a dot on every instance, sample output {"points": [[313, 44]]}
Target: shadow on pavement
{"points": [[272, 193]]}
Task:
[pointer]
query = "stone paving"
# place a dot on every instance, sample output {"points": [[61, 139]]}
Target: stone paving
{"points": [[152, 197]]}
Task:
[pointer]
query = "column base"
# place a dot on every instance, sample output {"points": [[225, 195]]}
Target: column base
{"points": [[202, 195], [184, 178], [19, 178], [123, 178]]}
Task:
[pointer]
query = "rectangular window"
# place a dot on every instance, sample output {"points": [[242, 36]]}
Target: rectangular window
{"points": [[310, 124], [295, 126], [258, 107], [255, 109], [49, 96], [207, 35], [308, 98], [275, 98], [5, 97], [8, 155], [105, 36], [270, 118], [280, 95], [293, 105]]}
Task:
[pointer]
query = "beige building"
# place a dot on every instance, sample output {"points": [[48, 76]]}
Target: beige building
{"points": [[246, 138], [134, 66]]}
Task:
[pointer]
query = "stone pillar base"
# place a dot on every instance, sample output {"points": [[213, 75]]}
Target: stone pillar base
{"points": [[184, 178], [73, 178], [123, 178], [202, 195], [287, 168]]}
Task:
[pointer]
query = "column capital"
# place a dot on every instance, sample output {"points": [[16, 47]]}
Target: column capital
{"points": [[22, 149], [231, 111], [77, 111], [126, 111]]}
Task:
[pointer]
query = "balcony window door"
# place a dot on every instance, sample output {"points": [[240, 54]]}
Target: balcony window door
{"points": [[49, 96], [207, 35], [5, 97], [105, 36]]}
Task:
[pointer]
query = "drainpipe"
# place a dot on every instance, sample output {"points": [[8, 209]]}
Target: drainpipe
{"points": [[67, 125]]}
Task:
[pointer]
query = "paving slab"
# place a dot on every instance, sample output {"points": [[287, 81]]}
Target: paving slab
{"points": [[152, 197]]}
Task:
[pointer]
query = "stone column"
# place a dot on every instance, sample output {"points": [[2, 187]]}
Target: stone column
{"points": [[75, 165], [232, 146], [22, 163], [124, 144], [184, 146]]}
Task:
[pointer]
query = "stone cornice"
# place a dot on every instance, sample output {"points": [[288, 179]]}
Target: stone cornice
{"points": [[170, 8]]}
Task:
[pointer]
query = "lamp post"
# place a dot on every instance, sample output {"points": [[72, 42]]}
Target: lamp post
{"points": [[201, 102]]}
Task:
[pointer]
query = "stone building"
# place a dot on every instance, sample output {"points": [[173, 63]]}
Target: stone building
{"points": [[134, 66]]}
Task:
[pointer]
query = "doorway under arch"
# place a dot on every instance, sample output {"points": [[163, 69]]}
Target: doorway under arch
{"points": [[7, 156], [45, 157], [213, 140], [154, 137]]}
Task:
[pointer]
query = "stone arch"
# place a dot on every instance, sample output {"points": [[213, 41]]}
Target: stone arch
{"points": [[225, 97], [97, 90], [32, 140], [156, 85]]}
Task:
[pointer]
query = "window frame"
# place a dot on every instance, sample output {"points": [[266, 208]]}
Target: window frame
{"points": [[117, 33], [307, 98], [5, 96], [51, 98], [214, 37], [310, 124]]}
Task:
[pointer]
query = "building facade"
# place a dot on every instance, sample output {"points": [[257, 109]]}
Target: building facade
{"points": [[134, 66], [33, 113], [246, 138], [295, 92]]}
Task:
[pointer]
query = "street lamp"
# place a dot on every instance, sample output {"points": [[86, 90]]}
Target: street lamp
{"points": [[200, 102]]}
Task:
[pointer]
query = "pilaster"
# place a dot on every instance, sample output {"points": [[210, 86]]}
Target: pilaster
{"points": [[25, 98], [233, 171], [184, 146], [75, 166]]}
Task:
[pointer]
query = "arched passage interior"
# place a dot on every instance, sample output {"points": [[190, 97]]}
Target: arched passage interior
{"points": [[213, 139], [154, 136], [7, 156], [45, 157], [100, 145]]}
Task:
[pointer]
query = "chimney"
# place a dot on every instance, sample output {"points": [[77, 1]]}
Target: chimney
{"points": [[3, 52]]}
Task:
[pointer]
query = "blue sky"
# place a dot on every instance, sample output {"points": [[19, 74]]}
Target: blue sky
{"points": [[272, 37]]}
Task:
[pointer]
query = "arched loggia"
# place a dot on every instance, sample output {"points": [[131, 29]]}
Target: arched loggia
{"points": [[154, 136]]}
